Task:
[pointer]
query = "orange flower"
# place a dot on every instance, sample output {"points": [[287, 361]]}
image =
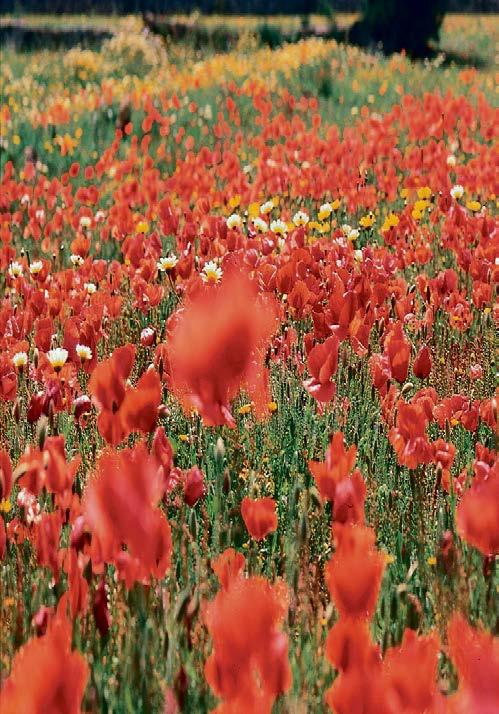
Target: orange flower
{"points": [[422, 363], [475, 654], [354, 573], [122, 409], [248, 667], [216, 348], [120, 507], [338, 464], [478, 514], [46, 675], [408, 436], [259, 515], [322, 364]]}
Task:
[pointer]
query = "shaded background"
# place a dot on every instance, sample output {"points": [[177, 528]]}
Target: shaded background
{"points": [[256, 7]]}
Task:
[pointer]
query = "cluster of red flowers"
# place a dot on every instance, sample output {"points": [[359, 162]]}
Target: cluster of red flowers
{"points": [[257, 289]]}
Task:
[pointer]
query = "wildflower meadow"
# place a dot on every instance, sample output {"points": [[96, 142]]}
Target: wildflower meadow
{"points": [[248, 406]]}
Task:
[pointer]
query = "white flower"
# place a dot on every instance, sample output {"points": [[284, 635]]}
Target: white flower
{"points": [[260, 225], [36, 267], [357, 254], [40, 215], [91, 288], [83, 352], [28, 501], [20, 360], [99, 216], [457, 192], [85, 222], [57, 357], [25, 200], [76, 259], [266, 207], [234, 221], [349, 232], [300, 218], [279, 227], [325, 211], [168, 263], [15, 269], [211, 273], [451, 160]]}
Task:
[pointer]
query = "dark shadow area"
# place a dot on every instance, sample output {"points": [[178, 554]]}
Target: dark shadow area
{"points": [[28, 39], [359, 36]]}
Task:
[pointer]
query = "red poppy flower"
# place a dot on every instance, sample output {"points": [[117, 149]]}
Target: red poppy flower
{"points": [[422, 363], [259, 515], [248, 667], [408, 436], [216, 348], [227, 566], [5, 475], [354, 573], [478, 514], [322, 364], [475, 654], [194, 486], [120, 507], [57, 676], [410, 674], [337, 465], [398, 350], [122, 409]]}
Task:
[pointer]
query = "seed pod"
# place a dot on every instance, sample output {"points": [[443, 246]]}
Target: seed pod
{"points": [[193, 524], [42, 428], [219, 450]]}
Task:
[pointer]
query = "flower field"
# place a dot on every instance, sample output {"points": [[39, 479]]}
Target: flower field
{"points": [[247, 377]]}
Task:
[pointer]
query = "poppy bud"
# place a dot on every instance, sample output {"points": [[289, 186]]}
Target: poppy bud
{"points": [[193, 524], [16, 411], [100, 609], [42, 429], [406, 389], [41, 620], [147, 337], [79, 534], [219, 449], [226, 482], [163, 411], [194, 487], [82, 405], [422, 363]]}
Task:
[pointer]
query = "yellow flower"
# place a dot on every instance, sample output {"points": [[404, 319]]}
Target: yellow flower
{"points": [[5, 505], [245, 409], [234, 201], [367, 220], [253, 209], [142, 227], [272, 407], [183, 437], [473, 206], [421, 205], [391, 221], [432, 560], [424, 192]]}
